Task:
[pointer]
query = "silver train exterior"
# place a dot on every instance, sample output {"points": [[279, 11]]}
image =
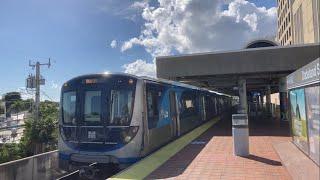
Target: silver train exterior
{"points": [[121, 118]]}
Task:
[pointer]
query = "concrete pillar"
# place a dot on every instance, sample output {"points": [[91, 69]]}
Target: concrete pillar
{"points": [[243, 106], [261, 100], [268, 99], [283, 97]]}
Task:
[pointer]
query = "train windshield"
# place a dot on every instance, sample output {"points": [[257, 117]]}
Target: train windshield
{"points": [[69, 107], [98, 101], [92, 106]]}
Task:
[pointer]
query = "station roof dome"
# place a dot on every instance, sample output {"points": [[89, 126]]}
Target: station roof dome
{"points": [[260, 43]]}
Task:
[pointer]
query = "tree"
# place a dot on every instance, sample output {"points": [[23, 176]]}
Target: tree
{"points": [[38, 136], [11, 97], [10, 152], [41, 135], [16, 106]]}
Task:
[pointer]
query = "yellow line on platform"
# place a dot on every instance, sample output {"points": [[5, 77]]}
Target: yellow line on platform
{"points": [[150, 163]]}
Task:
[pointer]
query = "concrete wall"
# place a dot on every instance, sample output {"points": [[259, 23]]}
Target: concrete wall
{"points": [[40, 167]]}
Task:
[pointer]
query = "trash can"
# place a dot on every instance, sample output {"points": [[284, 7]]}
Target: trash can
{"points": [[240, 133]]}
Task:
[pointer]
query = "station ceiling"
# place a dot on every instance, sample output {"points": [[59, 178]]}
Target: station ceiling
{"points": [[221, 70]]}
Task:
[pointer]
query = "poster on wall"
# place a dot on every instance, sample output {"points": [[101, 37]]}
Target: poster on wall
{"points": [[313, 117], [299, 119]]}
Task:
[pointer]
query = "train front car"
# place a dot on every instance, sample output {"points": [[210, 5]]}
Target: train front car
{"points": [[100, 120]]}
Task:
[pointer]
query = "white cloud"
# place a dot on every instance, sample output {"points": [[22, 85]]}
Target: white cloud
{"points": [[26, 93], [189, 26], [113, 44], [54, 85], [140, 68], [140, 4]]}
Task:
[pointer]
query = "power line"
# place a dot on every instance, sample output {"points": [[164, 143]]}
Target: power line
{"points": [[45, 94]]}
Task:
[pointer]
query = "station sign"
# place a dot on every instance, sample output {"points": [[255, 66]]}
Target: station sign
{"points": [[308, 74]]}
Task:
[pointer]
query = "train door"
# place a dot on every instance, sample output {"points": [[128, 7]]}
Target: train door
{"points": [[174, 114]]}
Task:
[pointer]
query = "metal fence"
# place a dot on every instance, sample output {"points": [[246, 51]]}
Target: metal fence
{"points": [[42, 166]]}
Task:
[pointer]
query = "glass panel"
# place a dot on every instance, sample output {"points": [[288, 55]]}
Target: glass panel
{"points": [[69, 107], [298, 114], [153, 109], [121, 107], [92, 107], [313, 118]]}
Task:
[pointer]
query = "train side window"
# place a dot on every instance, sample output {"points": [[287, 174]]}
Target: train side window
{"points": [[153, 108], [121, 107], [189, 104], [154, 93]]}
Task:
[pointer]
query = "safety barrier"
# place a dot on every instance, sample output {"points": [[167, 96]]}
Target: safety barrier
{"points": [[42, 166]]}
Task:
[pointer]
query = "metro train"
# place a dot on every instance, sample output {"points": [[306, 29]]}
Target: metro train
{"points": [[121, 118]]}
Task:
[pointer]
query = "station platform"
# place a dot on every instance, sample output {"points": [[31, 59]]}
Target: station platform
{"points": [[210, 156]]}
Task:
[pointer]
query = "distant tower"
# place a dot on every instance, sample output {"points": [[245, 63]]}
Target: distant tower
{"points": [[284, 34]]}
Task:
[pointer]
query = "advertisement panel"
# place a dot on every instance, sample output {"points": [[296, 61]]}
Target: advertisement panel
{"points": [[313, 115], [299, 119]]}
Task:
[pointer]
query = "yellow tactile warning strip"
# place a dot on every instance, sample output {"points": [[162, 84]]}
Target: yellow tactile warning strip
{"points": [[144, 167]]}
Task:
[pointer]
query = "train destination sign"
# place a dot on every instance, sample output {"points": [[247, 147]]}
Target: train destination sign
{"points": [[306, 75]]}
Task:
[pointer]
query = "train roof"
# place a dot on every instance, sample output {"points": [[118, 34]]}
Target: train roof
{"points": [[160, 80]]}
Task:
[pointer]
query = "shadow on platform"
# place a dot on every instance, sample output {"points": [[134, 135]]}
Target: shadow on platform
{"points": [[264, 160]]}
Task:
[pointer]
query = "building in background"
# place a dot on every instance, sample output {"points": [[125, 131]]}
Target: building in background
{"points": [[305, 16], [284, 36], [298, 22]]}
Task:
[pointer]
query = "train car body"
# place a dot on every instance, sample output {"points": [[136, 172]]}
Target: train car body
{"points": [[120, 118]]}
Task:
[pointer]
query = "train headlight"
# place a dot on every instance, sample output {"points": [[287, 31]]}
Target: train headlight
{"points": [[127, 139], [130, 134]]}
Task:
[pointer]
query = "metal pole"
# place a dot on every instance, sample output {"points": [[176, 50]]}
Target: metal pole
{"points": [[243, 108], [37, 85], [37, 99], [268, 99], [283, 99]]}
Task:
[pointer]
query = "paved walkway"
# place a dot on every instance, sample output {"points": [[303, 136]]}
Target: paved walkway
{"points": [[210, 156]]}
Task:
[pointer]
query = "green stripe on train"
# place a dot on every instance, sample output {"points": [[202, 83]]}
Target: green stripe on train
{"points": [[150, 163]]}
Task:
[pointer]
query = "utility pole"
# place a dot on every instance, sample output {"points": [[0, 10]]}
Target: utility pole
{"points": [[36, 82]]}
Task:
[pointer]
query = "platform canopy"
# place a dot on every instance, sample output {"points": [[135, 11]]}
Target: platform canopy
{"points": [[221, 71]]}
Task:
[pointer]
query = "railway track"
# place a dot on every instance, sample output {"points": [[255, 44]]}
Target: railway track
{"points": [[93, 171]]}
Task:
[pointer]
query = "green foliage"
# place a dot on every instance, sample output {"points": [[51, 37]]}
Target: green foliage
{"points": [[10, 98], [39, 135], [1, 109], [10, 152], [15, 104]]}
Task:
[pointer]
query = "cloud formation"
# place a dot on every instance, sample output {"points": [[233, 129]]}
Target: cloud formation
{"points": [[140, 68], [190, 26], [113, 44]]}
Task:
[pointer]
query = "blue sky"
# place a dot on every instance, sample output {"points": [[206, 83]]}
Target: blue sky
{"points": [[76, 34]]}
